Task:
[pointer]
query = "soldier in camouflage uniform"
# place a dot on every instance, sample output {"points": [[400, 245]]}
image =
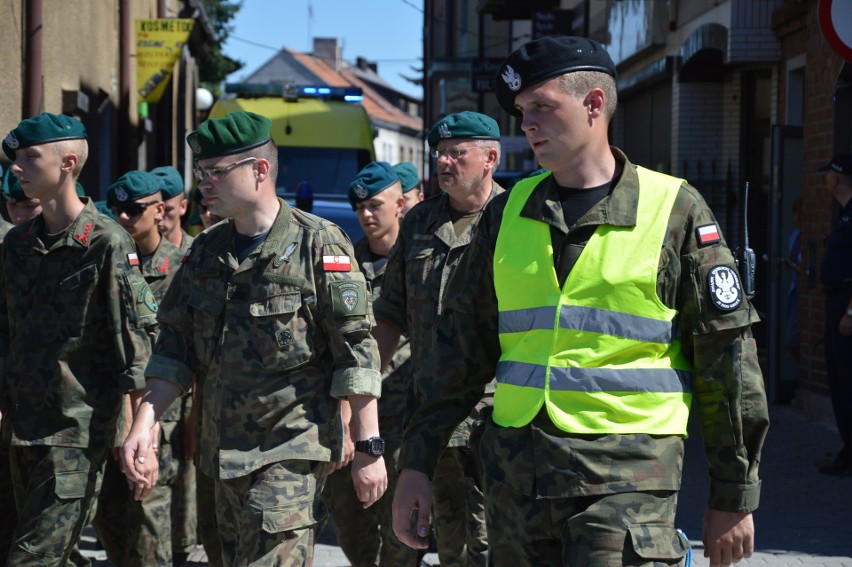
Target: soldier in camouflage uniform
{"points": [[366, 535], [76, 318], [139, 533], [590, 474], [433, 236], [185, 519], [20, 207], [270, 310], [409, 179]]}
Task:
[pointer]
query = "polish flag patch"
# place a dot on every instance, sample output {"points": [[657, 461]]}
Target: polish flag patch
{"points": [[708, 234], [133, 259], [336, 263]]}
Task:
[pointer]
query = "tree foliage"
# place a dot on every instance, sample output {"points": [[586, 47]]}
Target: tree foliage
{"points": [[213, 65]]}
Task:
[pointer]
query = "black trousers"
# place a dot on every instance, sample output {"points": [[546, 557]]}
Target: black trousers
{"points": [[838, 362]]}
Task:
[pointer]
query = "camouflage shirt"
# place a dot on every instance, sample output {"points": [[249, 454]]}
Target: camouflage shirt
{"points": [[277, 338], [426, 254], [540, 459], [396, 380], [159, 270], [75, 320]]}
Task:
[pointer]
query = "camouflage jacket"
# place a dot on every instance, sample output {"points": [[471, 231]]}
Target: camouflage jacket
{"points": [[277, 338], [159, 270], [75, 327], [5, 226], [419, 267], [396, 380], [728, 391]]}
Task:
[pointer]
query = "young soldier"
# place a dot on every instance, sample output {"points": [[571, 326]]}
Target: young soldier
{"points": [[412, 193], [604, 299], [139, 533], [170, 184], [270, 311], [75, 321], [366, 535]]}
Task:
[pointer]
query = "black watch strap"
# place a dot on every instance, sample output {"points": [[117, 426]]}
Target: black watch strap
{"points": [[374, 446]]}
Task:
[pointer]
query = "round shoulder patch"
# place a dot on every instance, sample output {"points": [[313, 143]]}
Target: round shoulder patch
{"points": [[726, 293]]}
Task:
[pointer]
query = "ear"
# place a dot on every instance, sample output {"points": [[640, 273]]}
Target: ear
{"points": [[400, 203], [69, 162], [491, 158], [262, 167], [596, 101], [161, 211]]}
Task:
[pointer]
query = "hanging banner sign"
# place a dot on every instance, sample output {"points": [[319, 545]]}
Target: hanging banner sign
{"points": [[158, 47]]}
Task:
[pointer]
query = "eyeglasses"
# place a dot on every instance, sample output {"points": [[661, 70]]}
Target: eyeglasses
{"points": [[131, 209], [214, 173], [452, 153]]}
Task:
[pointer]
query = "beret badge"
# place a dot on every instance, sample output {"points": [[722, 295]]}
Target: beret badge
{"points": [[192, 140], [120, 194], [512, 79], [360, 191], [444, 131], [12, 141]]}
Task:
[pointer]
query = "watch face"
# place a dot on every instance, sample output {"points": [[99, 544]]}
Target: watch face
{"points": [[376, 446]]}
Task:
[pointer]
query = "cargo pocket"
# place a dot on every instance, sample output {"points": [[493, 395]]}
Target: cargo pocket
{"points": [[281, 338], [658, 542], [289, 517], [71, 485]]}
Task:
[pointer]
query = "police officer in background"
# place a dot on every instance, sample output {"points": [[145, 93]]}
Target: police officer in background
{"points": [[605, 300], [271, 313], [836, 276], [409, 179], [366, 535], [76, 318], [433, 237]]}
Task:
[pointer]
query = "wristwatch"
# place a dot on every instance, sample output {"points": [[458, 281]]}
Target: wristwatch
{"points": [[374, 446]]}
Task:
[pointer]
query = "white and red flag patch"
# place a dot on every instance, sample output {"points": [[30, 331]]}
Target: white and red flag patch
{"points": [[708, 234], [133, 259], [336, 263]]}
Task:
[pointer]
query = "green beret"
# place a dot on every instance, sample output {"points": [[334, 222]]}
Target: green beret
{"points": [[374, 178], [131, 186], [233, 133], [408, 176], [545, 58], [43, 129], [465, 124], [169, 181], [12, 190]]}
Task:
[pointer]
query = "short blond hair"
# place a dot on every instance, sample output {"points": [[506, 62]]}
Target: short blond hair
{"points": [[79, 147], [579, 83]]}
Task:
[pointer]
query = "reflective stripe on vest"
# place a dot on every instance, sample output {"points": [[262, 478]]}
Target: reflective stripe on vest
{"points": [[603, 353]]}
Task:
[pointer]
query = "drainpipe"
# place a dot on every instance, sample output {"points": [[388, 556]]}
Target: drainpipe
{"points": [[126, 136], [34, 89]]}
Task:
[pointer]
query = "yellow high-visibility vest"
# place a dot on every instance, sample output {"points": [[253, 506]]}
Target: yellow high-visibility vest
{"points": [[602, 354]]}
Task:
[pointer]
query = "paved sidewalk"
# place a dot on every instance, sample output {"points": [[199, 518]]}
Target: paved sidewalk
{"points": [[804, 520]]}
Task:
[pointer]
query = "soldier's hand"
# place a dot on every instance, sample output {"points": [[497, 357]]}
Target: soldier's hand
{"points": [[151, 471], [370, 478], [411, 504], [136, 451], [728, 537]]}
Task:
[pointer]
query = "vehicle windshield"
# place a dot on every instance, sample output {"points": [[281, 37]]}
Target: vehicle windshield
{"points": [[328, 170]]}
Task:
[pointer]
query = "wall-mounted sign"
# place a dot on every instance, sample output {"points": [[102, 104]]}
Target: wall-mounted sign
{"points": [[835, 21], [158, 46]]}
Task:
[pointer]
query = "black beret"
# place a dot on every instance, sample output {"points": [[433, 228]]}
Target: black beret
{"points": [[545, 58]]}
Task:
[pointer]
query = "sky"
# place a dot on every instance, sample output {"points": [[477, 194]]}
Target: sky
{"points": [[388, 32]]}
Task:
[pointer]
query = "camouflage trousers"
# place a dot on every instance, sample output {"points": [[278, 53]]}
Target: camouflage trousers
{"points": [[8, 514], [366, 536], [184, 501], [272, 516], [208, 527], [141, 534], [458, 512], [607, 530], [54, 489]]}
